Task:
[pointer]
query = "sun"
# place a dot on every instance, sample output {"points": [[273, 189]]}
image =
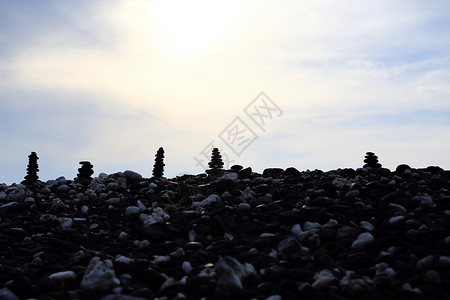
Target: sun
{"points": [[192, 26]]}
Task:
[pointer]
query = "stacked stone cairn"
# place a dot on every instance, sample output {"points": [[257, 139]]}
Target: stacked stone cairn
{"points": [[371, 161], [32, 169], [84, 175], [216, 163], [158, 167]]}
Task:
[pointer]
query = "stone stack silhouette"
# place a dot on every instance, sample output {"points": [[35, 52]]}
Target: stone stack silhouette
{"points": [[158, 167], [32, 169], [371, 161], [216, 163], [85, 172]]}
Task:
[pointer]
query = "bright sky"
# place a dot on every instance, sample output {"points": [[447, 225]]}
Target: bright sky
{"points": [[111, 81]]}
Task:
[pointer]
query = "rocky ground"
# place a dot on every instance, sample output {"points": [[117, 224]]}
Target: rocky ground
{"points": [[284, 234]]}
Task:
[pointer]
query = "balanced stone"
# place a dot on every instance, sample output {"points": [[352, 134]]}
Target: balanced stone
{"points": [[371, 161]]}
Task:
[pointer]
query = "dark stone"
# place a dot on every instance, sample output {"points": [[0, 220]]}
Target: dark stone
{"points": [[22, 287], [153, 232], [434, 169], [194, 246], [290, 217], [308, 292], [236, 168], [291, 171], [401, 168], [143, 293], [263, 242], [323, 260], [245, 173], [224, 185], [272, 172]]}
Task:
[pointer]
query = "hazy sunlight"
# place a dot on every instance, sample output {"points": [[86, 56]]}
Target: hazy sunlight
{"points": [[192, 26]]}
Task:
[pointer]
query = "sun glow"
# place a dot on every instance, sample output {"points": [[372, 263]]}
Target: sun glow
{"points": [[193, 26]]}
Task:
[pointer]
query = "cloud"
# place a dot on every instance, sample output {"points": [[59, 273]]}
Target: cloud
{"points": [[348, 76]]}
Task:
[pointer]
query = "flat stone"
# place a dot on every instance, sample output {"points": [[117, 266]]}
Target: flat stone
{"points": [[63, 276]]}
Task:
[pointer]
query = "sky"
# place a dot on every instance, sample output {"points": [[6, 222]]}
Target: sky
{"points": [[289, 83]]}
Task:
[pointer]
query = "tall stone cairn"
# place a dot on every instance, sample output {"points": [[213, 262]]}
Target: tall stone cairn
{"points": [[85, 172], [158, 167], [32, 169], [371, 160], [216, 163]]}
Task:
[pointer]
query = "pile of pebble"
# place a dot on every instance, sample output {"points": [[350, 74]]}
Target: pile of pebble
{"points": [[368, 233]]}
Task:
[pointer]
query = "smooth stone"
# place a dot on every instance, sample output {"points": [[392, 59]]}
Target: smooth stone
{"points": [[289, 246], [346, 232], [402, 168], [367, 225], [132, 211], [132, 177], [352, 194], [6, 294], [363, 240], [291, 171], [16, 195], [99, 275], [425, 263], [246, 172], [63, 188], [63, 276], [396, 219], [272, 172]]}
